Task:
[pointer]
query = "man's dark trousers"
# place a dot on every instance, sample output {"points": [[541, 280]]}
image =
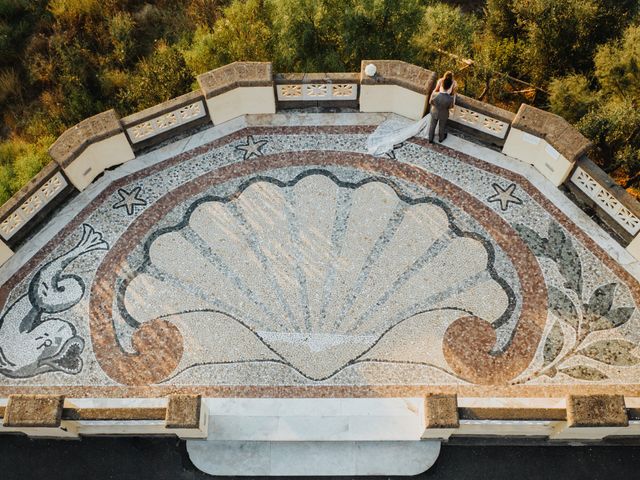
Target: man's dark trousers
{"points": [[440, 105]]}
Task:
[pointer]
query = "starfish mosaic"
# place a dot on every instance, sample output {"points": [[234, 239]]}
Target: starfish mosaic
{"points": [[129, 200], [505, 196], [252, 148]]}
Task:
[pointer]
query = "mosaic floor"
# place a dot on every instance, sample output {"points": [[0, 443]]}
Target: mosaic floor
{"points": [[287, 262]]}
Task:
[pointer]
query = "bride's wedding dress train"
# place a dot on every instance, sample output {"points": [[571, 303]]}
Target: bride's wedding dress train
{"points": [[392, 132]]}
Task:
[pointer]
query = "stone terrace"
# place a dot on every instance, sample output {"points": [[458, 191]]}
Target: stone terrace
{"points": [[268, 255]]}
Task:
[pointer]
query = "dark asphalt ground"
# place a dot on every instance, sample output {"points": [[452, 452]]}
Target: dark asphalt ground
{"points": [[136, 458]]}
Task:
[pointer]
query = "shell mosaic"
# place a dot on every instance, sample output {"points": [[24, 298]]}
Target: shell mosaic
{"points": [[287, 261]]}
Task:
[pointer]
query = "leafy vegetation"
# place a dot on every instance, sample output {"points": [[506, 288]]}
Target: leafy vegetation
{"points": [[64, 60]]}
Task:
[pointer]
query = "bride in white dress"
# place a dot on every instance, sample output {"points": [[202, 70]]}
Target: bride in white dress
{"points": [[394, 131]]}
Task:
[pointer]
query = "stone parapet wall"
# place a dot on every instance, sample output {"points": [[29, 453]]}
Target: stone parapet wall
{"points": [[33, 202], [581, 417], [615, 206], [303, 90], [402, 74], [76, 139], [555, 130], [235, 75], [53, 416], [156, 124]]}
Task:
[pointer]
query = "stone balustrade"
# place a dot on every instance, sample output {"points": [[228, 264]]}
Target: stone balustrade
{"points": [[238, 89], [487, 122], [301, 90], [575, 417], [156, 124], [539, 138], [28, 206], [54, 416], [617, 208]]}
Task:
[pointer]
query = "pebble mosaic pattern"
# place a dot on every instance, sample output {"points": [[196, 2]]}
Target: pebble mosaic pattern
{"points": [[286, 261]]}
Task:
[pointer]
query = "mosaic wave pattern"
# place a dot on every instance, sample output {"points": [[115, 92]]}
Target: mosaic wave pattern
{"points": [[288, 258]]}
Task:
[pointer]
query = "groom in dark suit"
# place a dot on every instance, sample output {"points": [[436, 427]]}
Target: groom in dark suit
{"points": [[440, 103]]}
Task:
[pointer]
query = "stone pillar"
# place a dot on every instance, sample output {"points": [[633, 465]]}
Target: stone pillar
{"points": [[397, 87], [592, 417], [237, 89], [546, 141], [37, 416], [440, 416], [185, 416], [5, 252], [89, 148]]}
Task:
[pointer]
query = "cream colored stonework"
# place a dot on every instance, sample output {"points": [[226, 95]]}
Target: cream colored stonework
{"points": [[241, 101], [97, 158], [537, 152], [5, 252], [392, 98]]}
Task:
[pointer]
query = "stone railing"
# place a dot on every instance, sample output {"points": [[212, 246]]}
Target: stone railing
{"points": [[53, 416], [539, 138], [298, 90], [156, 124], [619, 210], [31, 203], [490, 124], [574, 418]]}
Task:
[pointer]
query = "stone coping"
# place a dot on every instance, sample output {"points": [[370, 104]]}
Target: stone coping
{"points": [[162, 108], [600, 176], [306, 78], [439, 410], [183, 411], [559, 133], [76, 139], [33, 411], [596, 411], [485, 108], [49, 170], [395, 72], [237, 74]]}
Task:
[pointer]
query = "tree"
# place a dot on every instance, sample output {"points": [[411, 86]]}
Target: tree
{"points": [[243, 33], [378, 29], [571, 97], [617, 66], [158, 78], [307, 35]]}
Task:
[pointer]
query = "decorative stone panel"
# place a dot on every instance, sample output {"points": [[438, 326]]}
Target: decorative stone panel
{"points": [[32, 205], [605, 200], [479, 121], [166, 121], [317, 91]]}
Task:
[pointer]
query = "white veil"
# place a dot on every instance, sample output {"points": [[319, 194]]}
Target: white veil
{"points": [[392, 132]]}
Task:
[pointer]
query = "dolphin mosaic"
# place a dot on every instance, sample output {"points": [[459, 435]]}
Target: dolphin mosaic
{"points": [[31, 341]]}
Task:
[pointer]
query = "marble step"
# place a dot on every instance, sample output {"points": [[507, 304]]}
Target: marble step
{"points": [[238, 458], [308, 420]]}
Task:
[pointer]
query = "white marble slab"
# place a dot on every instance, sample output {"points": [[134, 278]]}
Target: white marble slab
{"points": [[312, 458]]}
